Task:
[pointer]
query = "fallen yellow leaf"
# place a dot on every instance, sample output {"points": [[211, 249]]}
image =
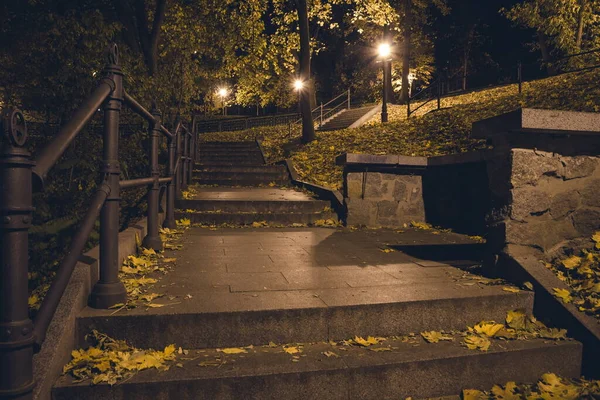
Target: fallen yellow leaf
{"points": [[232, 350]]}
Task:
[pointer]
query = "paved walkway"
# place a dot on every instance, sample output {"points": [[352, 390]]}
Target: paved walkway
{"points": [[228, 270]]}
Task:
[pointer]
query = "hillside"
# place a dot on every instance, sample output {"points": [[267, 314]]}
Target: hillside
{"points": [[436, 133]]}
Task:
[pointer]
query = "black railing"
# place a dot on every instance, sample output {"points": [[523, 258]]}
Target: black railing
{"points": [[324, 112], [20, 176], [240, 124], [456, 84]]}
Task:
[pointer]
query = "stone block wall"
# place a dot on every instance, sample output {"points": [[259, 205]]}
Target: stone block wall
{"points": [[542, 199], [383, 199]]}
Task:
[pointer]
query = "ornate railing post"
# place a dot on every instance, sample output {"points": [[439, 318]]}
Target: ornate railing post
{"points": [[16, 329], [109, 290], [178, 160], [184, 160], [152, 238], [170, 215], [190, 169]]}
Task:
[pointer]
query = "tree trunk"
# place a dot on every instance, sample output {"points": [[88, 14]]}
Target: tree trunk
{"points": [[308, 129], [580, 19], [543, 42], [466, 54], [406, 51], [135, 25], [389, 92]]}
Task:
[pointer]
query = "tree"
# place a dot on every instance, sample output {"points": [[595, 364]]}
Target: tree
{"points": [[566, 26], [308, 128], [134, 18], [407, 18]]}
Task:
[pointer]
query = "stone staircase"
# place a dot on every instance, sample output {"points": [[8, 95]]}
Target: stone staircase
{"points": [[322, 285], [246, 191], [345, 119]]}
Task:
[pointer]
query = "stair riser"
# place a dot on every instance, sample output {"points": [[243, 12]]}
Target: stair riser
{"points": [[251, 169], [420, 378], [231, 163], [230, 157], [253, 206], [272, 176], [241, 182], [304, 325], [228, 145], [230, 153], [281, 218]]}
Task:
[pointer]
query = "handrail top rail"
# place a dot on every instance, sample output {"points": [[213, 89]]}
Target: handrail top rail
{"points": [[344, 93]]}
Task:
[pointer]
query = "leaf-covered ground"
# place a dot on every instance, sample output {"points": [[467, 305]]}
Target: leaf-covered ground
{"points": [[549, 386], [437, 133], [581, 272]]}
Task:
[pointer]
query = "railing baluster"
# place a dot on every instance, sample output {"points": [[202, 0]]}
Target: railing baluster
{"points": [[178, 163], [109, 290], [16, 329], [185, 163], [152, 238], [170, 215]]}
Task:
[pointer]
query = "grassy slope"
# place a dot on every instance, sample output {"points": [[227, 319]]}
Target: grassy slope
{"points": [[437, 133]]}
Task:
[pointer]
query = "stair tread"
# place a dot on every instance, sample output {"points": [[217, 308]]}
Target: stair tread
{"points": [[263, 365]]}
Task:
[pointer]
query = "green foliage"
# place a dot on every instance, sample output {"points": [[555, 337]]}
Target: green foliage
{"points": [[559, 20]]}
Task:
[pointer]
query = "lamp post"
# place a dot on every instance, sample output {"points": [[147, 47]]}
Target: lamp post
{"points": [[298, 86], [223, 94], [384, 51]]}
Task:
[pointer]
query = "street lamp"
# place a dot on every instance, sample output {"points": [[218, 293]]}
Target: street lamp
{"points": [[298, 86], [223, 93], [384, 50]]}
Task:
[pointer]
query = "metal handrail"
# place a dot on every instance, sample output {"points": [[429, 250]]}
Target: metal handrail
{"points": [[18, 172], [321, 107], [438, 82]]}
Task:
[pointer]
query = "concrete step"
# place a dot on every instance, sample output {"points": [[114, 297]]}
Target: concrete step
{"points": [[228, 163], [231, 156], [237, 169], [210, 320], [266, 176], [257, 181], [265, 206], [283, 217], [423, 371], [228, 145], [345, 119], [230, 152]]}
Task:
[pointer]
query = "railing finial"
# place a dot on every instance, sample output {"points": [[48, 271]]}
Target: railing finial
{"points": [[113, 54], [15, 127]]}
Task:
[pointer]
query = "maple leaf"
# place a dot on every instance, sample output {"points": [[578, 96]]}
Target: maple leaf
{"points": [[369, 341], [474, 342], [563, 294], [488, 328], [233, 350], [571, 262], [508, 393], [434, 336]]}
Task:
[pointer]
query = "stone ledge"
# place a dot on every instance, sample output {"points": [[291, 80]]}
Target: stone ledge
{"points": [[531, 120], [334, 196], [394, 160], [520, 264]]}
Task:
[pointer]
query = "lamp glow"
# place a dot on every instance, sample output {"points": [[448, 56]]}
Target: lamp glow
{"points": [[298, 84], [222, 92], [384, 50]]}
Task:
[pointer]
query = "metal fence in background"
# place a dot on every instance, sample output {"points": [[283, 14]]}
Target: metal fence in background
{"points": [[458, 83], [240, 124]]}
